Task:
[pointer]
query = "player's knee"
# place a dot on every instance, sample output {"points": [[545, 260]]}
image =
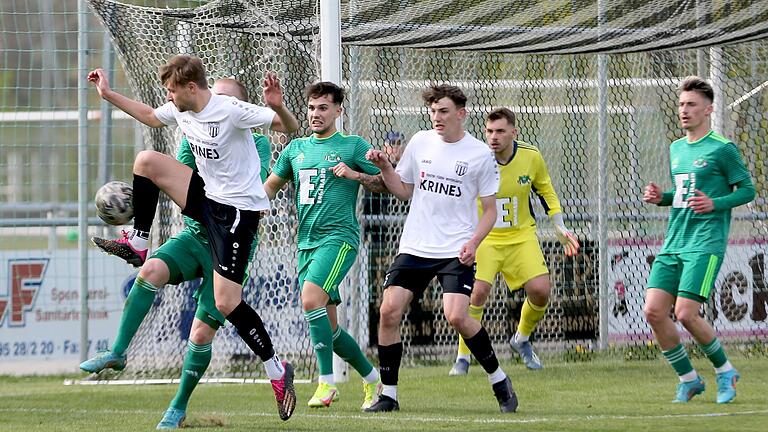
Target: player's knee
{"points": [[479, 295], [144, 162], [155, 271], [226, 305], [455, 320], [654, 315], [201, 336], [389, 316], [686, 316]]}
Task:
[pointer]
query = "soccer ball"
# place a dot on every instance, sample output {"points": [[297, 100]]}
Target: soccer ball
{"points": [[114, 203]]}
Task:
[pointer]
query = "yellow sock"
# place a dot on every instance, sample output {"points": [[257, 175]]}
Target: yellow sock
{"points": [[475, 312], [529, 317]]}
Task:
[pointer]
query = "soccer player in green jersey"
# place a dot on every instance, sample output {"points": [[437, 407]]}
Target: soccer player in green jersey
{"points": [[184, 257], [327, 169], [709, 179]]}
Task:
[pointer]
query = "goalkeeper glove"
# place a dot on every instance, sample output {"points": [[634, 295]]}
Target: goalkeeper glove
{"points": [[566, 237]]}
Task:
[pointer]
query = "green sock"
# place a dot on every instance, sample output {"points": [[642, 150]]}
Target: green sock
{"points": [[347, 348], [195, 363], [136, 307], [679, 360], [715, 353], [322, 339]]}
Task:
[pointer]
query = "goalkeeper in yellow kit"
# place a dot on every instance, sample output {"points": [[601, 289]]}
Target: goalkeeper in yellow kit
{"points": [[512, 247]]}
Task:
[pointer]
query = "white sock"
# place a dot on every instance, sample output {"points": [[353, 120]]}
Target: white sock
{"points": [[137, 241], [464, 357], [274, 367], [724, 368], [690, 376], [520, 337], [372, 377], [497, 376], [389, 390], [328, 379]]}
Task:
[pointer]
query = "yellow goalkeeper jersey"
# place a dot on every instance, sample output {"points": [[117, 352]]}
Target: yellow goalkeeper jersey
{"points": [[524, 176]]}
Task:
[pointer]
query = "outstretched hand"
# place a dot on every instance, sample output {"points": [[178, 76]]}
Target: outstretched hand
{"points": [[273, 93], [378, 158], [99, 78]]}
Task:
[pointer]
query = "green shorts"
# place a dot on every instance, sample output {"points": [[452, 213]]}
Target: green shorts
{"points": [[188, 258], [326, 266], [690, 275]]}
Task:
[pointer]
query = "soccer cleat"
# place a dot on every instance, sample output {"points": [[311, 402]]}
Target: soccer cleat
{"points": [[461, 367], [172, 419], [687, 390], [371, 392], [285, 395], [525, 350], [506, 396], [104, 359], [121, 248], [726, 386], [324, 395], [384, 404]]}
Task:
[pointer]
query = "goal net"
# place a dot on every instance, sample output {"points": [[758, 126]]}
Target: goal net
{"points": [[594, 89]]}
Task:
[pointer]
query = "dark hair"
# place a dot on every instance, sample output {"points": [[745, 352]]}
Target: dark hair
{"points": [[241, 90], [437, 92], [502, 113], [323, 88], [183, 69], [698, 85]]}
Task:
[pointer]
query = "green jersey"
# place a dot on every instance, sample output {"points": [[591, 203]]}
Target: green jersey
{"points": [[712, 165], [325, 203], [186, 157]]}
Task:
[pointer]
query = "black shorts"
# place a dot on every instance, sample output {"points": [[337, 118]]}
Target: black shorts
{"points": [[230, 230], [414, 274]]}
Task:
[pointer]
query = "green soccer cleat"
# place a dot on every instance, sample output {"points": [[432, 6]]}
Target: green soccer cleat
{"points": [[104, 359], [371, 392], [726, 386], [461, 367], [172, 419], [324, 395], [687, 390]]}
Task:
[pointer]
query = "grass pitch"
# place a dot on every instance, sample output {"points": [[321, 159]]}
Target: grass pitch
{"points": [[599, 395]]}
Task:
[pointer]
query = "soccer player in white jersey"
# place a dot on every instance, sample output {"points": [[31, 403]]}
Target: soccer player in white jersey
{"points": [[443, 171], [226, 195], [512, 248]]}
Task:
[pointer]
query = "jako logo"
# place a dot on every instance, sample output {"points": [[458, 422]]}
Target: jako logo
{"points": [[25, 278]]}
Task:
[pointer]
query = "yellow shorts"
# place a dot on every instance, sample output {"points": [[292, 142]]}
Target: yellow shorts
{"points": [[518, 263]]}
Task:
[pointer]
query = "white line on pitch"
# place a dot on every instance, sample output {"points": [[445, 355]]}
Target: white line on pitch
{"points": [[397, 417]]}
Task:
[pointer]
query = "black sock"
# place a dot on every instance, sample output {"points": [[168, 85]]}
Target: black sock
{"points": [[480, 345], [145, 196], [251, 329], [389, 362]]}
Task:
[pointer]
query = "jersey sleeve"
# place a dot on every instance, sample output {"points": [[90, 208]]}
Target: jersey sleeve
{"points": [[265, 154], [732, 165], [542, 187], [489, 176], [184, 155], [248, 115], [167, 114], [282, 167], [407, 164], [362, 164]]}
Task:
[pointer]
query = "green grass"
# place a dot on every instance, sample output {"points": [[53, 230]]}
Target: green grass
{"points": [[600, 395]]}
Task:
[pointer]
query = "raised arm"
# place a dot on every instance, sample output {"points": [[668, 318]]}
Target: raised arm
{"points": [[138, 110], [284, 120], [392, 180]]}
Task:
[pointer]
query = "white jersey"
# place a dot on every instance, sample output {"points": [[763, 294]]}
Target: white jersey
{"points": [[448, 178], [220, 138]]}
